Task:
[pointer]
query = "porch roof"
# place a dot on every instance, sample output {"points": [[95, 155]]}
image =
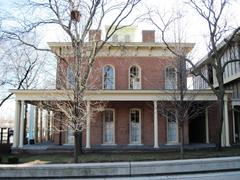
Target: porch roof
{"points": [[117, 95]]}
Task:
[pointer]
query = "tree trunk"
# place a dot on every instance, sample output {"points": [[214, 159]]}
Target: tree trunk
{"points": [[80, 143], [221, 113], [182, 141], [76, 146]]}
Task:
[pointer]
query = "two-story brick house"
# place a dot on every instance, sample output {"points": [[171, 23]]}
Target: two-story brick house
{"points": [[132, 78]]}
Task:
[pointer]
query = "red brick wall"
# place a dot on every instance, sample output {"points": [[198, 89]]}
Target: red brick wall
{"points": [[94, 35], [148, 36], [122, 124], [152, 71], [122, 110], [57, 117], [213, 122]]}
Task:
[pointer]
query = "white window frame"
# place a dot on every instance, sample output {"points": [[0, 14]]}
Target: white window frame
{"points": [[69, 138], [140, 77], [166, 85], [104, 142], [177, 137], [103, 79], [140, 127], [70, 70]]}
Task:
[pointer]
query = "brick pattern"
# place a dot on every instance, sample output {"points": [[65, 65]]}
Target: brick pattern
{"points": [[148, 36], [94, 35], [122, 131], [213, 122], [152, 71]]}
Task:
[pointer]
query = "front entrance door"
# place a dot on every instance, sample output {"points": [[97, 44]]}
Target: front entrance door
{"points": [[108, 126], [135, 126], [172, 127], [70, 137]]}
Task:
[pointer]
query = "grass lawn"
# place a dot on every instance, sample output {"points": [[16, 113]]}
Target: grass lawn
{"points": [[111, 157]]}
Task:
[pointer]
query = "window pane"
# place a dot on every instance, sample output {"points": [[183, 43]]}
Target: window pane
{"points": [[70, 77], [170, 78], [135, 78], [108, 127], [135, 126], [108, 78], [172, 126]]}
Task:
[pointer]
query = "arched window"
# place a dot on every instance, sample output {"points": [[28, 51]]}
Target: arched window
{"points": [[70, 77], [108, 77], [134, 77], [171, 78]]}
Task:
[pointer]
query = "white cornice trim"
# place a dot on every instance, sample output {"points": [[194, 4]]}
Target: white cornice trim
{"points": [[116, 95]]}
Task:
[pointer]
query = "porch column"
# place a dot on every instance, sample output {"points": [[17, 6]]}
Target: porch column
{"points": [[226, 124], [36, 126], [16, 125], [51, 126], [206, 125], [21, 124], [48, 126], [233, 118], [88, 129], [31, 125], [155, 125], [40, 126]]}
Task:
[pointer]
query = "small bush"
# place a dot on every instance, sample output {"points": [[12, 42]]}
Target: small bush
{"points": [[13, 160]]}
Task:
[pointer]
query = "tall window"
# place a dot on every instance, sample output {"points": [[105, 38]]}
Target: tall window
{"points": [[172, 129], [171, 78], [108, 126], [135, 126], [108, 77], [70, 77], [134, 78]]}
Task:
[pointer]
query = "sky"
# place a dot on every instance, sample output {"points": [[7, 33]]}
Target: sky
{"points": [[194, 26]]}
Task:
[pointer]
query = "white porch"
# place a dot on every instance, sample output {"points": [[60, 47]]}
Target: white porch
{"points": [[38, 96]]}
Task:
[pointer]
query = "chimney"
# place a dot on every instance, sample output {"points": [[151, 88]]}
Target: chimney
{"points": [[148, 36], [94, 35]]}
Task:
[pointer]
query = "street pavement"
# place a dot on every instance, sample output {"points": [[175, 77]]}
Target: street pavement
{"points": [[234, 175]]}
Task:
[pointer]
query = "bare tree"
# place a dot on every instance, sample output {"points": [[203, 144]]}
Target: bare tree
{"points": [[212, 11], [181, 108], [75, 19], [20, 68]]}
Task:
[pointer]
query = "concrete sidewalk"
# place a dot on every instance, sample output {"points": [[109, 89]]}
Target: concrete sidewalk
{"points": [[48, 148], [120, 169]]}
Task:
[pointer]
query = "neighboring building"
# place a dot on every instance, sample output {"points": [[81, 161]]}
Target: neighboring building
{"points": [[231, 77], [131, 77]]}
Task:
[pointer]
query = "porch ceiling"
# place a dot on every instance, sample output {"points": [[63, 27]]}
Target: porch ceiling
{"points": [[117, 95]]}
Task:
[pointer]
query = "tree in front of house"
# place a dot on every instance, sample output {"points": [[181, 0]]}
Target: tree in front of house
{"points": [[213, 12], [74, 19]]}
